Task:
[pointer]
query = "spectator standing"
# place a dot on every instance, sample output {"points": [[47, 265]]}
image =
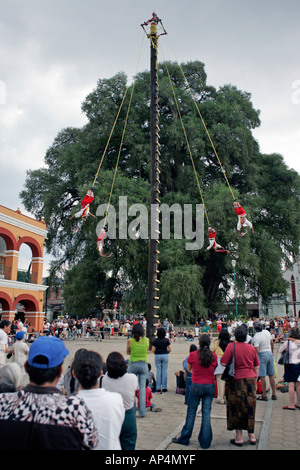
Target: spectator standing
{"points": [[5, 326], [218, 347], [161, 347], [39, 417], [20, 351], [292, 369], [188, 376], [107, 407], [202, 364], [137, 348], [263, 343], [240, 391], [117, 379], [166, 325]]}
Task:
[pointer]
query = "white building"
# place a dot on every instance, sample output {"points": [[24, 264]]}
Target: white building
{"points": [[292, 276]]}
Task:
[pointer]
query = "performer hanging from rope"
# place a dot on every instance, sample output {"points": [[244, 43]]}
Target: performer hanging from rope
{"points": [[100, 242], [85, 209], [242, 218], [212, 241]]}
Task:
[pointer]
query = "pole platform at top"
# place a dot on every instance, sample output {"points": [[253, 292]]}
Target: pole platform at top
{"points": [[154, 23]]}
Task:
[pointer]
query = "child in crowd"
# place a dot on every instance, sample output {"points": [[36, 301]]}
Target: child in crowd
{"points": [[151, 379], [149, 405]]}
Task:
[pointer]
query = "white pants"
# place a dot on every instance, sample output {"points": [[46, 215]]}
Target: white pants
{"points": [[213, 244], [245, 223]]}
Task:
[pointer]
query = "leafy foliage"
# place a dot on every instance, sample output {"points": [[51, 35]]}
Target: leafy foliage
{"points": [[192, 283]]}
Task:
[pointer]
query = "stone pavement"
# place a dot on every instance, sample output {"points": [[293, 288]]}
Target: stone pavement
{"points": [[275, 428]]}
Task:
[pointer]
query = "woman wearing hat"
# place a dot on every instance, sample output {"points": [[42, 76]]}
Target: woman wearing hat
{"points": [[20, 350]]}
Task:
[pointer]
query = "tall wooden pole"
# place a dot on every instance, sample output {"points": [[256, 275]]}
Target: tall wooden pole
{"points": [[153, 261]]}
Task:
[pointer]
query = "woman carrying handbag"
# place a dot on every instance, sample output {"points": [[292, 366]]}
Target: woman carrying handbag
{"points": [[240, 391], [291, 347]]}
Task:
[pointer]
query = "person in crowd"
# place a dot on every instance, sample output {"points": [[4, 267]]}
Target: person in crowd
{"points": [[161, 347], [202, 364], [292, 369], [219, 345], [137, 348], [20, 350], [151, 378], [118, 379], [150, 406], [188, 375], [263, 343], [240, 391], [107, 407], [39, 417], [5, 326], [11, 377]]}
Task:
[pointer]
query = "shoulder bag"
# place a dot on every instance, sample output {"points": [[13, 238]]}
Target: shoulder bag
{"points": [[284, 358], [228, 373]]}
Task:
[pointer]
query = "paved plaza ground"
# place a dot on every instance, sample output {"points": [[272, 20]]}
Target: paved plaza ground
{"points": [[275, 428]]}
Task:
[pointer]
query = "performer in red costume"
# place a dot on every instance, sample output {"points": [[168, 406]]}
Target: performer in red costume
{"points": [[85, 205], [100, 243], [212, 239], [242, 218]]}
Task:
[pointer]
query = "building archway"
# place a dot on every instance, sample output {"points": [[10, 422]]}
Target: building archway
{"points": [[33, 244], [9, 238]]}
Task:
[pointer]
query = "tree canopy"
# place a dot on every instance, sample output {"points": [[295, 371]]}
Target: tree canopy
{"points": [[192, 282]]}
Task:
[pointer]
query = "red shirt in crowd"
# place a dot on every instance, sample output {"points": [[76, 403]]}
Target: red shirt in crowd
{"points": [[201, 374], [245, 359]]}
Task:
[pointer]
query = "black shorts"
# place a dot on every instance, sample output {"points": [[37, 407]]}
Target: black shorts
{"points": [[291, 372]]}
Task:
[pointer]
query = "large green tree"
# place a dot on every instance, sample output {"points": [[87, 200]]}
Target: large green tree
{"points": [[192, 283]]}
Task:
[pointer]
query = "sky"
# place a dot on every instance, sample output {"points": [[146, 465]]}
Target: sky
{"points": [[52, 53]]}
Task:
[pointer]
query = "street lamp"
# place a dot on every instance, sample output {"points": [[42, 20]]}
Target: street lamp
{"points": [[233, 262]]}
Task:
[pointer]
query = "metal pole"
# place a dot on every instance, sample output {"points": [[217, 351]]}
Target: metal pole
{"points": [[153, 262], [235, 290]]}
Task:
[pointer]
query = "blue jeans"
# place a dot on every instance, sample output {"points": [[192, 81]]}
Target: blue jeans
{"points": [[161, 364], [188, 383], [140, 368], [205, 392]]}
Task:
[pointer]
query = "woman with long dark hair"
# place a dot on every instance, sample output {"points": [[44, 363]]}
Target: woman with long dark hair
{"points": [[202, 364], [137, 348], [219, 345]]}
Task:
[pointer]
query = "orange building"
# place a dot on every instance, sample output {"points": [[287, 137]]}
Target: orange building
{"points": [[16, 229]]}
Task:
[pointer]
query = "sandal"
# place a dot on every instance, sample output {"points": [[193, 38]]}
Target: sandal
{"points": [[238, 444], [288, 408], [261, 398], [274, 397]]}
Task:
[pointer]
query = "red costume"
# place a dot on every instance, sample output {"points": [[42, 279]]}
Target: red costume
{"points": [[100, 243], [242, 219], [212, 239]]}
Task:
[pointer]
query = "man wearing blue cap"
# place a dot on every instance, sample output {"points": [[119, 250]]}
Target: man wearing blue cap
{"points": [[39, 417]]}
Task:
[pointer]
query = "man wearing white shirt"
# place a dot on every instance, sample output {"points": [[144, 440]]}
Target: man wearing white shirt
{"points": [[263, 344], [107, 407], [5, 326]]}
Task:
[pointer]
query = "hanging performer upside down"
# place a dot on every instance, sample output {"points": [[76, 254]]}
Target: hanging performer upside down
{"points": [[212, 239], [242, 219], [85, 209], [100, 243]]}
